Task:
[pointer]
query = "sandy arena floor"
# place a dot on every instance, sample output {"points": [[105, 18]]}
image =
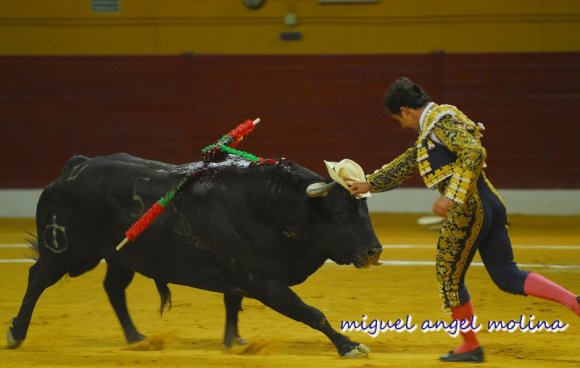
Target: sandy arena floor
{"points": [[74, 325]]}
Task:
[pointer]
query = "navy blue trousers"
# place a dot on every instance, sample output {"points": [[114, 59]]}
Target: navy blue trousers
{"points": [[494, 246]]}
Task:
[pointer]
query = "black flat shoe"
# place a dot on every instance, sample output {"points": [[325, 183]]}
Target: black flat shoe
{"points": [[474, 356]]}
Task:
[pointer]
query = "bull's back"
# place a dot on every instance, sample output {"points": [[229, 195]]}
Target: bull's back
{"points": [[84, 214]]}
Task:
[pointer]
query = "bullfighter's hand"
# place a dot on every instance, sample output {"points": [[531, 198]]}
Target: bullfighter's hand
{"points": [[442, 205], [358, 187]]}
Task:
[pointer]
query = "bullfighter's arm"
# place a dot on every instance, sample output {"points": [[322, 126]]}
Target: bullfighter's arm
{"points": [[395, 172], [470, 157]]}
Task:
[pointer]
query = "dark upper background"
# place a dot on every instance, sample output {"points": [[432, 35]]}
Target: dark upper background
{"points": [[164, 79]]}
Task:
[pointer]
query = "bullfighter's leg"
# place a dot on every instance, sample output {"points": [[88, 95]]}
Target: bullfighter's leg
{"points": [[233, 305], [282, 299], [40, 277], [116, 281]]}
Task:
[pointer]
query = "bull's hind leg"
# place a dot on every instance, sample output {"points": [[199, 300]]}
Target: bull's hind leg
{"points": [[233, 305], [39, 278], [116, 281]]}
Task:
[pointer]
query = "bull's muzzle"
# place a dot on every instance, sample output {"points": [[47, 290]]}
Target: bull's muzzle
{"points": [[368, 258]]}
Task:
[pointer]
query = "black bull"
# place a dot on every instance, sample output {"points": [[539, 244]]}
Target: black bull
{"points": [[241, 229]]}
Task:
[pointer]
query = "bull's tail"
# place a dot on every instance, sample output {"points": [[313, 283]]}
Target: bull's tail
{"points": [[165, 295], [33, 244]]}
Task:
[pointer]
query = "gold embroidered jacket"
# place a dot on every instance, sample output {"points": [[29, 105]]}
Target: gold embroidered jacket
{"points": [[447, 154]]}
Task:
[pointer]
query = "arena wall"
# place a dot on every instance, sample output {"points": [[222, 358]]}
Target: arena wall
{"points": [[313, 108]]}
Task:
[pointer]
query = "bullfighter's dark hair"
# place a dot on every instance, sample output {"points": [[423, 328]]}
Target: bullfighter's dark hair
{"points": [[405, 93]]}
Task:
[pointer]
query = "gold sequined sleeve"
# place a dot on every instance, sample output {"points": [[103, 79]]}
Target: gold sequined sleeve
{"points": [[470, 157], [395, 172]]}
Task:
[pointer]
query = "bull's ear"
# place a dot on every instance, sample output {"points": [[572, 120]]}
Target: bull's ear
{"points": [[319, 189]]}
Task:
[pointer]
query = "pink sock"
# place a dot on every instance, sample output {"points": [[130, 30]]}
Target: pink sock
{"points": [[470, 341], [540, 287]]}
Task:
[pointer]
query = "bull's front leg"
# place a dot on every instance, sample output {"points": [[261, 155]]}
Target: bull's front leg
{"points": [[282, 299]]}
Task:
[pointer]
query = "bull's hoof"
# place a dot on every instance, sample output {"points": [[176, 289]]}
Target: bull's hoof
{"points": [[354, 350], [240, 341], [137, 337], [236, 341], [12, 343]]}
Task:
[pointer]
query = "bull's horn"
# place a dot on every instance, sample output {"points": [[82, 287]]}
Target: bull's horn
{"points": [[319, 189]]}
